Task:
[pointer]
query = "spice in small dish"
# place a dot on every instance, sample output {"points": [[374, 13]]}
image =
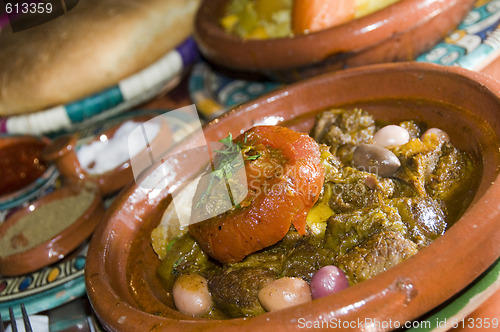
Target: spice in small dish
{"points": [[43, 222]]}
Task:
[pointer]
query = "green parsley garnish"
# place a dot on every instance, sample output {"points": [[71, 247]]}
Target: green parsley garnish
{"points": [[227, 163]]}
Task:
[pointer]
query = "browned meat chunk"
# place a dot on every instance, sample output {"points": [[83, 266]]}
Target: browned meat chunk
{"points": [[418, 160], [348, 230], [354, 189], [424, 216], [453, 169], [419, 219], [305, 260], [235, 291], [342, 130], [376, 254]]}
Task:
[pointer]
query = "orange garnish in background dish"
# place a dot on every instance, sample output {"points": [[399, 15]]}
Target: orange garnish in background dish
{"points": [[315, 15]]}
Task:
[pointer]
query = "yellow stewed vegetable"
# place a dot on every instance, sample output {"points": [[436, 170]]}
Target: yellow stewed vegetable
{"points": [[262, 19]]}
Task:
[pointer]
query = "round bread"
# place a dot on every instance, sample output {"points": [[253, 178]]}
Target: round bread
{"points": [[91, 47]]}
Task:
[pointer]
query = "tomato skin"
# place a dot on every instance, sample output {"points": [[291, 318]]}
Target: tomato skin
{"points": [[290, 176]]}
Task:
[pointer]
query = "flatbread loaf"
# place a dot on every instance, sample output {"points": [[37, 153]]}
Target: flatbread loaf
{"points": [[88, 49]]}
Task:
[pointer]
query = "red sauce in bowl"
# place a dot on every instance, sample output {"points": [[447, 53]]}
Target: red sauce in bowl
{"points": [[20, 165]]}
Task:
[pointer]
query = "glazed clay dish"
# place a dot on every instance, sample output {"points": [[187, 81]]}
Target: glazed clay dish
{"points": [[22, 169], [49, 229], [399, 32], [63, 152], [121, 270]]}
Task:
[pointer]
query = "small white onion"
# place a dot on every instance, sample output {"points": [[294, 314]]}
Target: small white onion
{"points": [[283, 293], [191, 295], [391, 135]]}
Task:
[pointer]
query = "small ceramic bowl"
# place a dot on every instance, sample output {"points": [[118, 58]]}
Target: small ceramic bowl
{"points": [[63, 152], [23, 172], [398, 32], [121, 265], [23, 253]]}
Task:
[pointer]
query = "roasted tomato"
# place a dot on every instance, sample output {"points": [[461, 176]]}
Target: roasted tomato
{"points": [[284, 178]]}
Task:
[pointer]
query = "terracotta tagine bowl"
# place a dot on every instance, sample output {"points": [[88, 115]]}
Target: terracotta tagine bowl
{"points": [[121, 278], [399, 32], [63, 152]]}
